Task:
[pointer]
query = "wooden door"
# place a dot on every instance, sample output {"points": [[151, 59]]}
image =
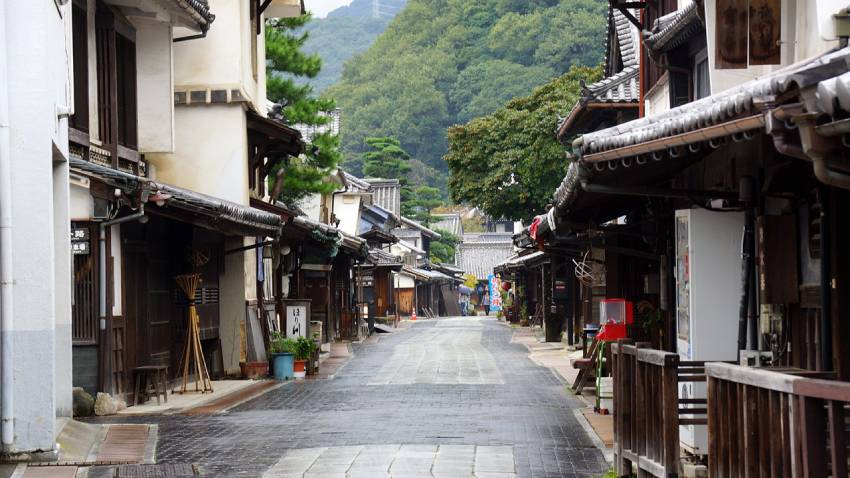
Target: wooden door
{"points": [[405, 301], [381, 293], [160, 292], [316, 289]]}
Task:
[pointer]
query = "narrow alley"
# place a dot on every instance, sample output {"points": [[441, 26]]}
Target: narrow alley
{"points": [[445, 398]]}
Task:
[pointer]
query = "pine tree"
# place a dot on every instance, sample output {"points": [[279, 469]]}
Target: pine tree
{"points": [[309, 173]]}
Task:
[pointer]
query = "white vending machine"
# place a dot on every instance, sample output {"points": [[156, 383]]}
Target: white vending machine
{"points": [[708, 295]]}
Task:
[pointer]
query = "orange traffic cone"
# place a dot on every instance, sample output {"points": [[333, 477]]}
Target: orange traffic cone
{"points": [[413, 317]]}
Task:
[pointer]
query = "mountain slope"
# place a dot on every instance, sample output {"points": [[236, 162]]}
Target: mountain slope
{"points": [[443, 62], [344, 33]]}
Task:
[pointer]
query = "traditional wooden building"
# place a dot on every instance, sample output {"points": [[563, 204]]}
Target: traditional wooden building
{"points": [[716, 215]]}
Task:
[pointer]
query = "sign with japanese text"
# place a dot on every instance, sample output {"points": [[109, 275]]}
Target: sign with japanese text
{"points": [[296, 321], [495, 293]]}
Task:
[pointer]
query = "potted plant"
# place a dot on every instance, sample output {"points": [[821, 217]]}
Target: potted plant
{"points": [[281, 352], [303, 350]]}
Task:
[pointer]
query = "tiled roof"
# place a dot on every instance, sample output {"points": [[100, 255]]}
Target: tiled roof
{"points": [[627, 40], [480, 258], [222, 215], [380, 258], [354, 183], [199, 10], [407, 223], [617, 87], [675, 28], [448, 222], [738, 103]]}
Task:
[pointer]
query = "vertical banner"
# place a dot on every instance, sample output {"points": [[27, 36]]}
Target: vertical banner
{"points": [[731, 34], [765, 31], [495, 293]]}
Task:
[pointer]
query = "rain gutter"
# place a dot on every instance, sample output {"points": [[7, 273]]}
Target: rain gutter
{"points": [[729, 128]]}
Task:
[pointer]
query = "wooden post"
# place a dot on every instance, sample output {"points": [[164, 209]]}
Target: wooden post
{"points": [[670, 404], [812, 436]]}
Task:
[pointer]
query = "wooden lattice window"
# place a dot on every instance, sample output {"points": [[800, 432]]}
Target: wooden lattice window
{"points": [[84, 311]]}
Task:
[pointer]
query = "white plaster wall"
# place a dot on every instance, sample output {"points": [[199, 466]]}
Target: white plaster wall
{"points": [[155, 87], [659, 100], [404, 281], [312, 206], [223, 58], [80, 202], [38, 85], [347, 210], [62, 284], [801, 39], [211, 153]]}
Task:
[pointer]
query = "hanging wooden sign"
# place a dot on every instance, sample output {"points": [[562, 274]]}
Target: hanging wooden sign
{"points": [[765, 31], [731, 34]]}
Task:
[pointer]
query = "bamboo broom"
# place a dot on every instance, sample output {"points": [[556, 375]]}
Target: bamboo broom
{"points": [[193, 356]]}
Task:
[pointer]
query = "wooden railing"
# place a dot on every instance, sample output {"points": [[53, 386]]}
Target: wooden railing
{"points": [[775, 423], [648, 410]]}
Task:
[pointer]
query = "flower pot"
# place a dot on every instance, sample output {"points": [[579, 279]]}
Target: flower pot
{"points": [[254, 370], [300, 368], [283, 369]]}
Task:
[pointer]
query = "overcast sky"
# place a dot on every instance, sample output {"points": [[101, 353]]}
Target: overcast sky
{"points": [[321, 8]]}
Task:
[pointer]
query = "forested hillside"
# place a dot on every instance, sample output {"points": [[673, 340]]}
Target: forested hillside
{"points": [[443, 62], [345, 32]]}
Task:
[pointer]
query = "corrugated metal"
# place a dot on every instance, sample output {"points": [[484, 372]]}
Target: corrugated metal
{"points": [[480, 258]]}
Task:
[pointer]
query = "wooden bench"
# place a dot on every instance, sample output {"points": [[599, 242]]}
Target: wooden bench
{"points": [[151, 380]]}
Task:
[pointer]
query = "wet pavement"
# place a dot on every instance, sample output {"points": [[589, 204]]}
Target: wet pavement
{"points": [[445, 398]]}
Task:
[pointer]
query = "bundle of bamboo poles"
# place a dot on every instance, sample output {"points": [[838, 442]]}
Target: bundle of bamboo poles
{"points": [[193, 356]]}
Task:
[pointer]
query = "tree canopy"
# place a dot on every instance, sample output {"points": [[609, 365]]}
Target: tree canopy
{"points": [[443, 249], [344, 33], [309, 173], [443, 62], [508, 163]]}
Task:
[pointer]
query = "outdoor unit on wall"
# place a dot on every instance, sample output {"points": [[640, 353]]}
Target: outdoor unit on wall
{"points": [[708, 294]]}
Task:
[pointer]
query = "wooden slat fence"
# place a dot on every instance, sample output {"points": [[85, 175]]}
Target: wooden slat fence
{"points": [[769, 423], [648, 410]]}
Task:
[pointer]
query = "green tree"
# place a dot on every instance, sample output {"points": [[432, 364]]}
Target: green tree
{"points": [[443, 62], [386, 159], [508, 163], [443, 249], [421, 202], [286, 61]]}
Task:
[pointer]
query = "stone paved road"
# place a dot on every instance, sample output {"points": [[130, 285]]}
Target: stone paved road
{"points": [[411, 396]]}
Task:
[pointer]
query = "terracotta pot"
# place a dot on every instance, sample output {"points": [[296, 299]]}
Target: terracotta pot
{"points": [[253, 370], [300, 368]]}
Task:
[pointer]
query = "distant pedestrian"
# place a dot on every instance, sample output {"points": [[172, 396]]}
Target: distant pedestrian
{"points": [[486, 303]]}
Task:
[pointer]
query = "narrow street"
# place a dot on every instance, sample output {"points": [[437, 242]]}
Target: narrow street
{"points": [[444, 398]]}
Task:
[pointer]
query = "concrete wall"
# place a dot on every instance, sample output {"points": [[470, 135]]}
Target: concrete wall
{"points": [[211, 154], [39, 337]]}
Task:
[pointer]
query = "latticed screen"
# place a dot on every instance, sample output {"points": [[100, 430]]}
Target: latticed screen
{"points": [[85, 307]]}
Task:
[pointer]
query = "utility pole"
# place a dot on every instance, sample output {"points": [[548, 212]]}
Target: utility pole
{"points": [[376, 9]]}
